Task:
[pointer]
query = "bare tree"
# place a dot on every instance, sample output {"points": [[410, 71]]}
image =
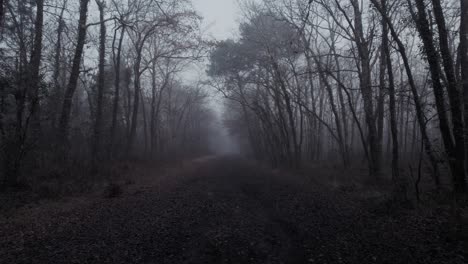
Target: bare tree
{"points": [[452, 146], [28, 88], [399, 183], [464, 66], [117, 59], [98, 123], [64, 123]]}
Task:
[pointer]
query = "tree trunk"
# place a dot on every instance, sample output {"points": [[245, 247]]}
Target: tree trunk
{"points": [[58, 89], [344, 116], [136, 101], [128, 102], [381, 97], [338, 123], [34, 67], [155, 109], [451, 148], [296, 159], [153, 117], [366, 90], [100, 85], [74, 74], [399, 183], [115, 106], [29, 85], [464, 66], [145, 124], [417, 103], [458, 172]]}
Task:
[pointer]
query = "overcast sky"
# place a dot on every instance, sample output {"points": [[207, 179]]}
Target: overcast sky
{"points": [[219, 21], [219, 16]]}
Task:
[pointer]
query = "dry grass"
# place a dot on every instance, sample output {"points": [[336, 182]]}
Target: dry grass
{"points": [[63, 186]]}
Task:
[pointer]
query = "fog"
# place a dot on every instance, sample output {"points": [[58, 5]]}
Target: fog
{"points": [[233, 131], [219, 17]]}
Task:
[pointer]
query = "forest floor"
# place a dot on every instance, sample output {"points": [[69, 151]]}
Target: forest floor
{"points": [[227, 210]]}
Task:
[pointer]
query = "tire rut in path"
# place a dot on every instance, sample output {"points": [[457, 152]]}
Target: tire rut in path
{"points": [[240, 226]]}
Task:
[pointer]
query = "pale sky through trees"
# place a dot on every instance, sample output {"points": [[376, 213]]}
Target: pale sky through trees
{"points": [[219, 21], [219, 16]]}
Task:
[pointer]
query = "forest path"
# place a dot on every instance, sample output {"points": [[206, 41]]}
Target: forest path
{"points": [[223, 210]]}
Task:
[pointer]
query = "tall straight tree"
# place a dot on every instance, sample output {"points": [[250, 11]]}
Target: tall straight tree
{"points": [[31, 87], [464, 66], [454, 150], [35, 63], [454, 98], [57, 93], [416, 97], [115, 107], [74, 73], [100, 85], [399, 183], [363, 49], [140, 37]]}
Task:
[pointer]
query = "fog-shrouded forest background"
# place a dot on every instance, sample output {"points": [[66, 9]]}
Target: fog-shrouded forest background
{"points": [[89, 82], [376, 84]]}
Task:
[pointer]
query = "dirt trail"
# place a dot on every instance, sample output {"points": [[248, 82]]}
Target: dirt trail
{"points": [[224, 210]]}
